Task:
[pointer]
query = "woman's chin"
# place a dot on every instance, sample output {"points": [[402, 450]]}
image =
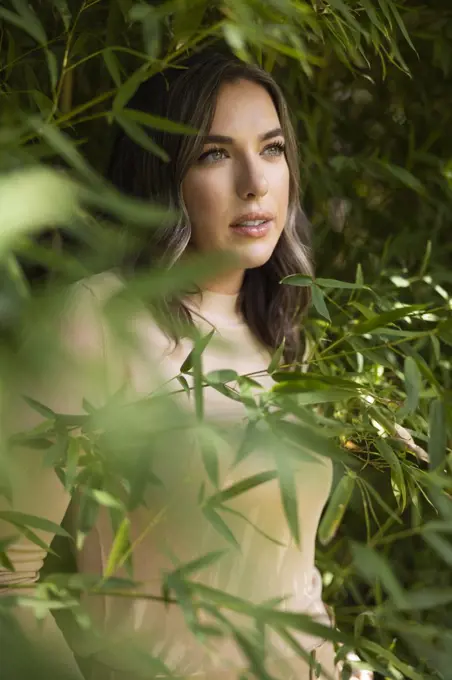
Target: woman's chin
{"points": [[255, 256]]}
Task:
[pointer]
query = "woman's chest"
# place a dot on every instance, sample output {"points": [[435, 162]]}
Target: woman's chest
{"points": [[233, 371]]}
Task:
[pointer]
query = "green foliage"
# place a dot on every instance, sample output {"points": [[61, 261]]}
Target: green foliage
{"points": [[369, 86]]}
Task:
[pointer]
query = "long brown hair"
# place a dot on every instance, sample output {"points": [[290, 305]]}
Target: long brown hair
{"points": [[271, 310]]}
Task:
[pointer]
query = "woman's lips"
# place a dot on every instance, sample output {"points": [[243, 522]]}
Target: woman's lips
{"points": [[257, 231]]}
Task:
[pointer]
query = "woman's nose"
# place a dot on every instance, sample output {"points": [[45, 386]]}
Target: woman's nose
{"points": [[252, 183]]}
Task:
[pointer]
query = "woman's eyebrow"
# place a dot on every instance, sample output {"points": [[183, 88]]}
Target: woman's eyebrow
{"points": [[222, 139]]}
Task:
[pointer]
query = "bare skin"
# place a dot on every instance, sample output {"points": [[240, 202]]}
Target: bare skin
{"points": [[245, 173]]}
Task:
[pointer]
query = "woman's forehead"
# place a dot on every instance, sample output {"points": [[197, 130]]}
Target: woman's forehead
{"points": [[243, 107]]}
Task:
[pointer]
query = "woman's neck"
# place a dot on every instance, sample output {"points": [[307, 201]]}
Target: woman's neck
{"points": [[229, 283]]}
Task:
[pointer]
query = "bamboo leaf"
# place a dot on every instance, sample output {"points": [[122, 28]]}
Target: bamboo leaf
{"points": [[220, 525], [426, 598], [336, 508], [113, 65], [309, 378], [158, 123], [298, 280], [184, 383], [401, 174], [401, 24], [210, 460], [221, 376], [138, 135], [318, 300], [370, 489], [348, 15], [413, 386], [381, 320], [20, 520], [63, 10], [187, 23], [40, 408], [106, 499], [119, 548], [440, 545], [256, 528], [199, 564], [5, 543], [277, 356], [333, 283], [199, 348], [396, 468], [248, 442], [374, 566], [241, 487], [31, 536], [126, 91], [384, 653], [437, 434], [306, 396], [308, 441], [288, 490], [66, 148], [25, 19]]}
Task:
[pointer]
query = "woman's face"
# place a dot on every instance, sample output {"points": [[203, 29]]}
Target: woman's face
{"points": [[237, 192]]}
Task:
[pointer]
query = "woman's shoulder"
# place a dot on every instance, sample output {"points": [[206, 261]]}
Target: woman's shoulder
{"points": [[128, 329]]}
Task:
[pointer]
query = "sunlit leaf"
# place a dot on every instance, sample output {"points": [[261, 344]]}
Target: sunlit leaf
{"points": [[337, 505], [186, 23], [106, 499], [384, 653], [333, 283], [119, 548], [315, 378], [381, 320], [298, 280], [51, 201]]}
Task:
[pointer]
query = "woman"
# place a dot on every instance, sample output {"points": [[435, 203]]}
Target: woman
{"points": [[236, 186]]}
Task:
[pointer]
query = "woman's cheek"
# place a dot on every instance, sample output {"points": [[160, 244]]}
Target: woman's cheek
{"points": [[207, 207]]}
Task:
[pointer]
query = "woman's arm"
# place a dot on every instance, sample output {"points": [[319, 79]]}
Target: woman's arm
{"points": [[85, 369]]}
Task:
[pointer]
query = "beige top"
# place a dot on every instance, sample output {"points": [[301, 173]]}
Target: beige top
{"points": [[173, 527]]}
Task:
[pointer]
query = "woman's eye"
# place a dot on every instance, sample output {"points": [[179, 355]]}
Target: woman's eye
{"points": [[212, 155], [276, 149]]}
